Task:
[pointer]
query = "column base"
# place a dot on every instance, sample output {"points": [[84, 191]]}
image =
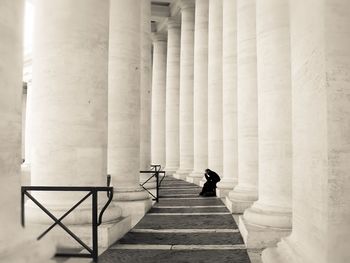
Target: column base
{"points": [[284, 252], [25, 174], [194, 177], [113, 226], [224, 187], [181, 174], [257, 236], [151, 184], [134, 203], [108, 233], [170, 170], [27, 250], [240, 199]]}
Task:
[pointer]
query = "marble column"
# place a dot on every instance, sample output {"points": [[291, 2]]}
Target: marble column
{"points": [[246, 192], [186, 89], [172, 96], [215, 151], [229, 94], [124, 108], [69, 110], [270, 218], [145, 84], [200, 93], [146, 95], [25, 167], [16, 244], [23, 123], [320, 72], [158, 98]]}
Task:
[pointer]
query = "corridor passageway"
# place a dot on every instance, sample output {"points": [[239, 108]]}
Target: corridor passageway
{"points": [[182, 227]]}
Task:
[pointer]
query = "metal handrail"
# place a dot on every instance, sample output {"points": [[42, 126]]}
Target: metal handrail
{"points": [[155, 173], [96, 218]]}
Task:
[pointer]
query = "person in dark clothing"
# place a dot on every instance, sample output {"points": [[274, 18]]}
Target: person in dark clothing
{"points": [[209, 187]]}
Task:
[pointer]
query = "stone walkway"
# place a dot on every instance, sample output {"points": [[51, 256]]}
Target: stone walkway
{"points": [[182, 227]]}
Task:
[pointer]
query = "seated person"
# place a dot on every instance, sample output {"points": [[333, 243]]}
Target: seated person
{"points": [[209, 188]]}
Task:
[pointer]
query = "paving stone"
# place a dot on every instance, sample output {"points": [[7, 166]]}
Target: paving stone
{"points": [[182, 238], [174, 256], [191, 202], [147, 245], [188, 210], [177, 195], [187, 221]]}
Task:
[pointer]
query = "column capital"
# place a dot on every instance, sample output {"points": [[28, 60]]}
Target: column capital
{"points": [[174, 22], [186, 4], [157, 37]]}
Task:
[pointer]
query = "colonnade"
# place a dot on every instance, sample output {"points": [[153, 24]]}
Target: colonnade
{"points": [[255, 90], [263, 102], [89, 114]]}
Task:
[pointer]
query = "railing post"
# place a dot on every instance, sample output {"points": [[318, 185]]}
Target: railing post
{"points": [[94, 226], [22, 207], [157, 189]]}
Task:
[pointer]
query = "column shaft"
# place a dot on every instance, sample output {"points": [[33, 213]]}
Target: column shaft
{"points": [[146, 94], [186, 90], [215, 152], [146, 86], [69, 102], [246, 192], [69, 116], [271, 214], [158, 99], [172, 96], [229, 94], [16, 244], [320, 66], [124, 108], [200, 99]]}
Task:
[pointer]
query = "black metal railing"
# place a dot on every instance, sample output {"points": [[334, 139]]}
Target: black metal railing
{"points": [[155, 171], [96, 218]]}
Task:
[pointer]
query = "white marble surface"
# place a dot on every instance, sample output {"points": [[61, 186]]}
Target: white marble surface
{"points": [[123, 91], [158, 99], [321, 135], [200, 92], [69, 103], [186, 89], [274, 207], [247, 106], [124, 108], [229, 94], [16, 245], [173, 96], [215, 132], [146, 85]]}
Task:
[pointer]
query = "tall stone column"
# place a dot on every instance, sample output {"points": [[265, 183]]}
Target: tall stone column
{"points": [[124, 108], [146, 94], [200, 84], [173, 96], [270, 218], [186, 89], [69, 108], [246, 192], [26, 142], [16, 244], [229, 94], [158, 98], [27, 77], [215, 152], [320, 66], [145, 84]]}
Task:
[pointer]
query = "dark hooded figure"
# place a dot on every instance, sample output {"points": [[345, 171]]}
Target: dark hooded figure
{"points": [[209, 187]]}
